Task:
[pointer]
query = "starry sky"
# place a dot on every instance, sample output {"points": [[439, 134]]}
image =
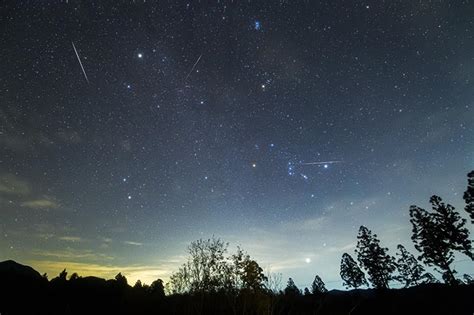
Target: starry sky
{"points": [[129, 129]]}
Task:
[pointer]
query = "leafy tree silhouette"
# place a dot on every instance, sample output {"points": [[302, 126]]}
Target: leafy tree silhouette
{"points": [[410, 272], [138, 284], [209, 270], [248, 272], [351, 274], [318, 286], [291, 288], [438, 235], [157, 288], [206, 269], [374, 258], [74, 276], [62, 275], [121, 280], [469, 196]]}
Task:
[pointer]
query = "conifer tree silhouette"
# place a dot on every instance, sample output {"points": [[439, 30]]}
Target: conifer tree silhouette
{"points": [[410, 272], [351, 274], [469, 196], [438, 235], [374, 258], [318, 286]]}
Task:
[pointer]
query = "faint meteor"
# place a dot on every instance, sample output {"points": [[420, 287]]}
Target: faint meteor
{"points": [[321, 163], [80, 62], [194, 66]]}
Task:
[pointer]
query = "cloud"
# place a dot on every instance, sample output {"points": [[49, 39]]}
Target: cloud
{"points": [[69, 136], [133, 243], [342, 248], [74, 254], [13, 185], [40, 204], [306, 225], [70, 238]]}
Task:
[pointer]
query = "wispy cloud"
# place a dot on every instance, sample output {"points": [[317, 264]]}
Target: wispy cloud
{"points": [[70, 238], [44, 203], [13, 185], [306, 225], [133, 243], [69, 136], [70, 253]]}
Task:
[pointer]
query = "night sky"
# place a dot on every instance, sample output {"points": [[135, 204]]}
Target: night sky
{"points": [[129, 129]]}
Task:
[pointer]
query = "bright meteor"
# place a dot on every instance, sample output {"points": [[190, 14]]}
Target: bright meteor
{"points": [[321, 163], [80, 62]]}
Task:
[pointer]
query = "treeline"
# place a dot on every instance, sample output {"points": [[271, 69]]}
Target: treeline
{"points": [[212, 281], [438, 235]]}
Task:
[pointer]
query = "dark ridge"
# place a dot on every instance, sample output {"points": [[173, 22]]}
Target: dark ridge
{"points": [[24, 291], [14, 268]]}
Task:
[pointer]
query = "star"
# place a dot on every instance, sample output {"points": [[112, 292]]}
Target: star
{"points": [[140, 55], [307, 260], [254, 165], [129, 197], [257, 25], [326, 165]]}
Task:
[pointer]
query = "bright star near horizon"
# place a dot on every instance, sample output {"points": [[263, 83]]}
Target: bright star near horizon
{"points": [[307, 260], [140, 55]]}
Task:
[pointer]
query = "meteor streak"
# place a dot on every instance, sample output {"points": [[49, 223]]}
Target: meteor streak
{"points": [[194, 66], [80, 62], [321, 163]]}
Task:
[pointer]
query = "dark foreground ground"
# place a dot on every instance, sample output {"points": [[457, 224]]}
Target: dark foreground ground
{"points": [[25, 291]]}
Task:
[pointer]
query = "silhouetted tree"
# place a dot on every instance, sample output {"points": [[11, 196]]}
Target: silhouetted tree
{"points": [[45, 276], [351, 274], [410, 272], [138, 284], [249, 274], [157, 288], [374, 258], [291, 288], [429, 278], [121, 280], [469, 196], [62, 275], [438, 235], [318, 286], [74, 276], [468, 279], [273, 282]]}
